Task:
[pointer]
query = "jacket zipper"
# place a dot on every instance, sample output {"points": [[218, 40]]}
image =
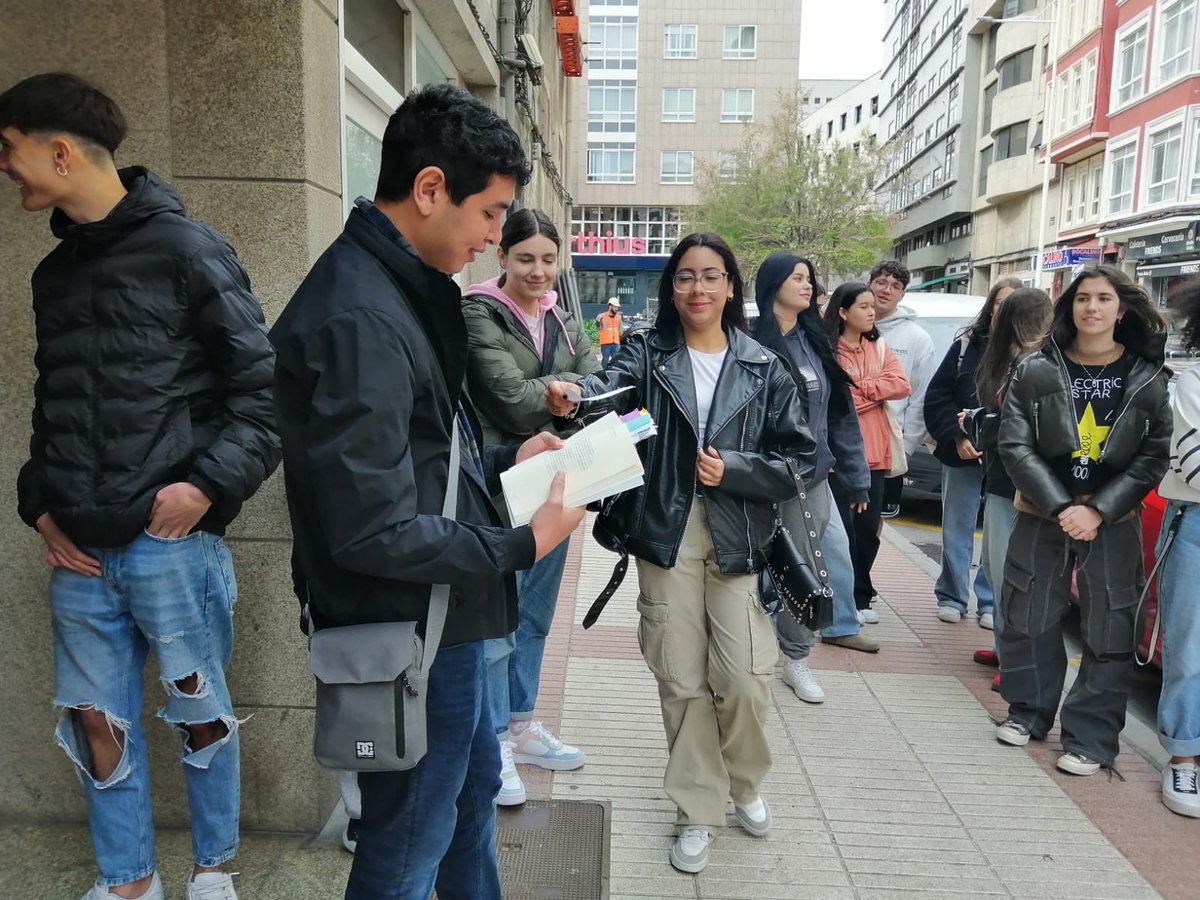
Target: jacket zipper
{"points": [[692, 494], [1125, 407], [1066, 377]]}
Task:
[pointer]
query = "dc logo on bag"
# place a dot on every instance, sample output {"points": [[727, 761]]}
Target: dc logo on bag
{"points": [[364, 749]]}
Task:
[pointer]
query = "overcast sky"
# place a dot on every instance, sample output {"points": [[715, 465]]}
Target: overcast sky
{"points": [[841, 38]]}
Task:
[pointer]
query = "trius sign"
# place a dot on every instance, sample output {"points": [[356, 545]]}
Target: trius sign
{"points": [[595, 244]]}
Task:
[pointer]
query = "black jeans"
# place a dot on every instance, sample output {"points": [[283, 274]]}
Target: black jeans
{"points": [[862, 529], [1033, 659]]}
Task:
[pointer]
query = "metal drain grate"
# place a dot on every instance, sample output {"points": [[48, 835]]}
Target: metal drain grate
{"points": [[554, 850]]}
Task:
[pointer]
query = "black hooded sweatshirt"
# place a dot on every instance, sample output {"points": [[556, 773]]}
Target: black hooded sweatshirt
{"points": [[153, 368]]}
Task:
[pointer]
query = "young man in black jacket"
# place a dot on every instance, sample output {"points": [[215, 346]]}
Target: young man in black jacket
{"points": [[152, 423], [372, 355]]}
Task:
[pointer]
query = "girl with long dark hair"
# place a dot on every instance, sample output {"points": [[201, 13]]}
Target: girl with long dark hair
{"points": [[950, 391], [876, 377], [1084, 436], [790, 324], [520, 340], [731, 441]]}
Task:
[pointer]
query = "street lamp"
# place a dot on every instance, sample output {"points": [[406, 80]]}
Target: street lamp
{"points": [[1046, 133]]}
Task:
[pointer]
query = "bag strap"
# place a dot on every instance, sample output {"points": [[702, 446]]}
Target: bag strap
{"points": [[614, 582], [1172, 531], [439, 594]]}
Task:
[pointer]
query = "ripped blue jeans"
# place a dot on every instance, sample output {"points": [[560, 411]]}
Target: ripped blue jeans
{"points": [[176, 597]]}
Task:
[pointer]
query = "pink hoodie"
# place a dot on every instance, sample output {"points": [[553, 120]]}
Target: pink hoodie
{"points": [[548, 302]]}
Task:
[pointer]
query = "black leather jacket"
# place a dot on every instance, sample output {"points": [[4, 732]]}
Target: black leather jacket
{"points": [[1038, 426], [756, 423]]}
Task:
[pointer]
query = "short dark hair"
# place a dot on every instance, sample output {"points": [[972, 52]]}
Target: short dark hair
{"points": [[734, 313], [1138, 321], [62, 103], [843, 298], [891, 267], [1187, 310], [527, 223], [444, 126]]}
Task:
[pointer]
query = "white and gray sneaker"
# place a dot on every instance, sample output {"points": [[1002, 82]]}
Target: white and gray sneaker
{"points": [[799, 677], [1181, 789], [988, 621], [100, 892], [754, 817], [867, 617], [951, 614], [1010, 731], [534, 745], [212, 886], [512, 789], [689, 853], [1077, 764]]}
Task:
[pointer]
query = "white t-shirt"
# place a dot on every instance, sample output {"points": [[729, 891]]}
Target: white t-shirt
{"points": [[706, 368], [537, 330]]}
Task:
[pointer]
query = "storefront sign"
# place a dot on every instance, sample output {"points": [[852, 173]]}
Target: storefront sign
{"points": [[607, 244], [1070, 257], [1169, 271], [1180, 242]]}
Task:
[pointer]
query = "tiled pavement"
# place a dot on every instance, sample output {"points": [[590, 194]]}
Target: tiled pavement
{"points": [[894, 788]]}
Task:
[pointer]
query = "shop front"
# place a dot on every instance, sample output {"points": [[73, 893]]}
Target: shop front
{"points": [[1066, 262], [1165, 261], [620, 251]]}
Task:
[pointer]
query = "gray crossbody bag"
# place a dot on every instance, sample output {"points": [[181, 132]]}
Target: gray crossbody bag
{"points": [[372, 679]]}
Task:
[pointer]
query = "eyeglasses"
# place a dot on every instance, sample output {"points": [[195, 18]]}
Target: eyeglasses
{"points": [[890, 283], [710, 280]]}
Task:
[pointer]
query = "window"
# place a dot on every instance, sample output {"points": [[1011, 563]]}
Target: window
{"points": [[1162, 163], [985, 161], [632, 3], [843, 122], [658, 226], [991, 48], [612, 106], [1120, 178], [613, 41], [1068, 213], [741, 41], [874, 106], [1017, 7], [1011, 141], [679, 105], [676, 167], [950, 155], [679, 42], [1017, 69], [1175, 41], [737, 105], [609, 163], [1131, 64], [1097, 186], [858, 114], [1194, 188], [829, 129], [1075, 96], [1082, 200], [727, 164], [989, 97]]}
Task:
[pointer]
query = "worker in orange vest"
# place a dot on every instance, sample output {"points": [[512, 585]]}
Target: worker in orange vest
{"points": [[610, 330]]}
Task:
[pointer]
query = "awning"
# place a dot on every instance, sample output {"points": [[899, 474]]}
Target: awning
{"points": [[1167, 270], [944, 279]]}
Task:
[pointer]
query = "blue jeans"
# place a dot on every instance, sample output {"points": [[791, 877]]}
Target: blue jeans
{"points": [[1179, 704], [175, 596], [435, 824], [835, 547], [999, 515], [514, 662], [607, 352], [960, 512]]}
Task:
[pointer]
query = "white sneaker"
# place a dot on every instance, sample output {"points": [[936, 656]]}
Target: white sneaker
{"points": [[799, 677], [534, 745], [1077, 764], [1181, 789], [754, 817], [212, 886], [512, 789], [1010, 731], [100, 892], [949, 614], [988, 621], [867, 617], [690, 850]]}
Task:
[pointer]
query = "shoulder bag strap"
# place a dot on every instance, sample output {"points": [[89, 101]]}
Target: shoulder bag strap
{"points": [[439, 594]]}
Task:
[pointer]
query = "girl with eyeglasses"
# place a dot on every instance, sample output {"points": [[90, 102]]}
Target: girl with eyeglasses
{"points": [[1084, 435], [731, 443]]}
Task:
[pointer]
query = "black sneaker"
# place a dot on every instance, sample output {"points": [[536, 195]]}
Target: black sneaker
{"points": [[350, 836], [890, 510]]}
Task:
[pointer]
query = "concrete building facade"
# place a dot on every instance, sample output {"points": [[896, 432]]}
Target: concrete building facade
{"points": [[931, 79], [850, 118], [267, 118], [669, 89]]}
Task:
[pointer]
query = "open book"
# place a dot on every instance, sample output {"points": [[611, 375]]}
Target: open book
{"points": [[599, 461]]}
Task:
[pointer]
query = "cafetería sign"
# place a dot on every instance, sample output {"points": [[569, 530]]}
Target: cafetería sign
{"points": [[1179, 242]]}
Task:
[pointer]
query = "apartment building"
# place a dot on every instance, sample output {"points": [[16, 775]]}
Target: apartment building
{"points": [[849, 118], [819, 91], [931, 79], [669, 89], [267, 117], [1010, 143]]}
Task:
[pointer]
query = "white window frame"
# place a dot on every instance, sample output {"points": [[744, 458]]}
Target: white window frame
{"points": [[680, 31], [1160, 127], [678, 115], [1068, 209], [737, 116], [1192, 172], [603, 57], [1130, 140], [1075, 95], [675, 173], [620, 117], [611, 147], [1096, 202], [736, 50], [1127, 31], [1184, 60]]}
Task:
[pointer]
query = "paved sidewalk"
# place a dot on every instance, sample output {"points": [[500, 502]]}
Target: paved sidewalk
{"points": [[894, 788]]}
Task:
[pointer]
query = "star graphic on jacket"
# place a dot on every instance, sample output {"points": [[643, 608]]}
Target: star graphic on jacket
{"points": [[1092, 436]]}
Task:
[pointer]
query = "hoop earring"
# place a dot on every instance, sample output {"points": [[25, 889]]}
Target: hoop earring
{"points": [[60, 169]]}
